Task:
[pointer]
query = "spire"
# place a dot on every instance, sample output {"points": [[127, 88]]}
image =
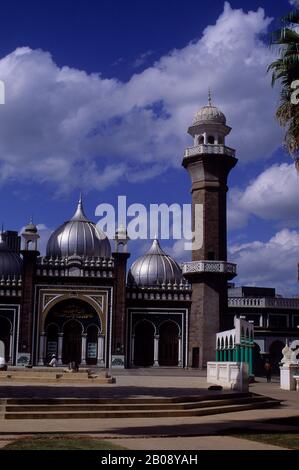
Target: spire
{"points": [[79, 214], [210, 97]]}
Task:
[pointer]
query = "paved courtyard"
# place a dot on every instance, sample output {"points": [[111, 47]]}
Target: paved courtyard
{"points": [[197, 432]]}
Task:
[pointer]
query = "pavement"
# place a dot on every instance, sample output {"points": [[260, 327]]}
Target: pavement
{"points": [[202, 432]]}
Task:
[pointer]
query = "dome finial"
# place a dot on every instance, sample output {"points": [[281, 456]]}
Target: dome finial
{"points": [[79, 214], [210, 97]]}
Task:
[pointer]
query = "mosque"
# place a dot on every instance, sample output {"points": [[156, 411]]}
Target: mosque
{"points": [[82, 303]]}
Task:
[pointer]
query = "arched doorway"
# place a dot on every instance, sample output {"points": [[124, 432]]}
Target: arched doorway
{"points": [[144, 344], [5, 331], [276, 355], [72, 337], [257, 360], [169, 344]]}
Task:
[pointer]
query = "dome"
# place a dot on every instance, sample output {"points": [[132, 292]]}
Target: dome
{"points": [[31, 228], [78, 236], [211, 114], [155, 268], [10, 262]]}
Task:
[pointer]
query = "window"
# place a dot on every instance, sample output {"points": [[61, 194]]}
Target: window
{"points": [[200, 140], [211, 139], [296, 321], [278, 321]]}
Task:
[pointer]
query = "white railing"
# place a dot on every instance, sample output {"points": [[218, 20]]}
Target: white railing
{"points": [[263, 302], [209, 266], [210, 149]]}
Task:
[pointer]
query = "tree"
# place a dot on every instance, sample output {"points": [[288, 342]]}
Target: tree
{"points": [[285, 70]]}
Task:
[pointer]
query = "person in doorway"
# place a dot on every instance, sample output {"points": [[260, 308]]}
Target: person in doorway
{"points": [[268, 370], [53, 361]]}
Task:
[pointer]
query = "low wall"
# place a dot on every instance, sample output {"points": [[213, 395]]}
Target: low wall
{"points": [[231, 375], [287, 376]]}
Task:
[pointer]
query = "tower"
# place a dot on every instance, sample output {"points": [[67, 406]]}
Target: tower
{"points": [[30, 254], [208, 163]]}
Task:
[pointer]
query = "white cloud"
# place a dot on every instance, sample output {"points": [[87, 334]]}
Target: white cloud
{"points": [[73, 129], [273, 263], [273, 195]]}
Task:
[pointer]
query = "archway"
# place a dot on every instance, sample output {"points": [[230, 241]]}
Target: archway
{"points": [[144, 344], [5, 331], [169, 344], [276, 355], [72, 337], [257, 360], [72, 329]]}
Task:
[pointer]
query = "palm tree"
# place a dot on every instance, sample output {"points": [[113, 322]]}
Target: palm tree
{"points": [[285, 70]]}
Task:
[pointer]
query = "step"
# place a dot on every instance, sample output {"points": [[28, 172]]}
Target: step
{"points": [[62, 379], [46, 408], [141, 399], [144, 414]]}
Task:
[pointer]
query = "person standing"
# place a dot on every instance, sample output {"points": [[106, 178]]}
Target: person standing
{"points": [[268, 370]]}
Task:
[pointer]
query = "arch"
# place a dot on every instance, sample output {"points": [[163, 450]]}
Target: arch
{"points": [[64, 297], [222, 343], [257, 360], [169, 343], [144, 343], [230, 343], [218, 343], [200, 140], [275, 354], [226, 343], [73, 320], [247, 334], [170, 321], [211, 139], [5, 334], [144, 320]]}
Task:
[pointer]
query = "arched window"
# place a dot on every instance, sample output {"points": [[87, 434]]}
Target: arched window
{"points": [[211, 139], [200, 140]]}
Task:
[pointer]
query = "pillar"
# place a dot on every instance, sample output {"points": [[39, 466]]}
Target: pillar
{"points": [[10, 360], [156, 350], [60, 345], [132, 349], [217, 355], [251, 359], [83, 349], [100, 358], [42, 340], [180, 358]]}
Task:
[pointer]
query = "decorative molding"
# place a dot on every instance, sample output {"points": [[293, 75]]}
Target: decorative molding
{"points": [[194, 267], [215, 149]]}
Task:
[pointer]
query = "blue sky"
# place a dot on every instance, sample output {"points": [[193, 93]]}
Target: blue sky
{"points": [[99, 96]]}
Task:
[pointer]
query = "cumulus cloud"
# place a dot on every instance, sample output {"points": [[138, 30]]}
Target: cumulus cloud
{"points": [[269, 264], [273, 195], [73, 129]]}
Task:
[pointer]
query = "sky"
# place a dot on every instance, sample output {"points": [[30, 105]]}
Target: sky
{"points": [[99, 96]]}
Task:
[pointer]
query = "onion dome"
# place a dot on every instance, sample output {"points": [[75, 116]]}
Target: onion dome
{"points": [[10, 262], [155, 268], [78, 236]]}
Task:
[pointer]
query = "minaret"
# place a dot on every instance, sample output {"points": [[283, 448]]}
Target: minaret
{"points": [[208, 163], [30, 254]]}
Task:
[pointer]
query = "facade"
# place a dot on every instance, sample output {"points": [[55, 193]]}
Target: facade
{"points": [[82, 303]]}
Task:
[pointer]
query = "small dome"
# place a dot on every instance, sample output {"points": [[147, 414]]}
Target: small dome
{"points": [[78, 236], [30, 228], [209, 113], [10, 262], [155, 268]]}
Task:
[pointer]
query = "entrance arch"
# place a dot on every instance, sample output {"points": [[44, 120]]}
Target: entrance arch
{"points": [[5, 336], [73, 333], [169, 344], [144, 344]]}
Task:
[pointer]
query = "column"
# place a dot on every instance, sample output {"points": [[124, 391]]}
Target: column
{"points": [[237, 347], [229, 355], [60, 345], [251, 359], [132, 350], [217, 355], [220, 355], [10, 360], [180, 359], [42, 339], [100, 358], [156, 350], [83, 349]]}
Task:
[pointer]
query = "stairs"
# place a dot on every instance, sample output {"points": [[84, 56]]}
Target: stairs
{"points": [[76, 408], [46, 376]]}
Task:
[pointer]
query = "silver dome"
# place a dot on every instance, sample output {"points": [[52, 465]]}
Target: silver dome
{"points": [[209, 113], [155, 268], [78, 236], [10, 262]]}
